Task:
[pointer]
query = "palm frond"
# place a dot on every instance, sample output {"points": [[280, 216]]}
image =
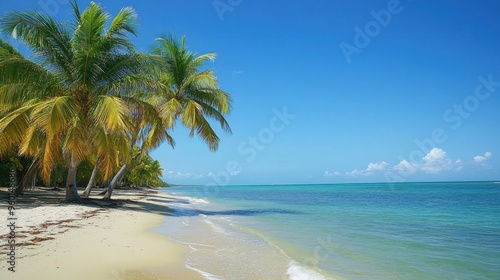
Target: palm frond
{"points": [[123, 22], [55, 114], [49, 156], [32, 142], [91, 26], [49, 39], [193, 94], [110, 112], [22, 80], [12, 128]]}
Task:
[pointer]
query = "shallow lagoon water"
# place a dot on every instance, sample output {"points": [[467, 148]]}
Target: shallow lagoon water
{"points": [[342, 231]]}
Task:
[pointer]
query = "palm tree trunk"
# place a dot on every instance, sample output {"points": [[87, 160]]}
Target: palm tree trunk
{"points": [[33, 183], [115, 181], [71, 189], [91, 183], [28, 177]]}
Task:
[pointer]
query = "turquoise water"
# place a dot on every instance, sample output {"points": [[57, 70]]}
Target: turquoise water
{"points": [[346, 231]]}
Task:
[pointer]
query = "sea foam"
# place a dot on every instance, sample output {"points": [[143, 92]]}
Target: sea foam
{"points": [[193, 200], [215, 228], [297, 272], [205, 274]]}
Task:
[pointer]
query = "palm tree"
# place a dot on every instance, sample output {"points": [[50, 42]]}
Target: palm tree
{"points": [[147, 130], [144, 171], [190, 93], [74, 98]]}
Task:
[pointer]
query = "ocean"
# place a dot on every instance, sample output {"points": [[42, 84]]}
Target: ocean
{"points": [[445, 230]]}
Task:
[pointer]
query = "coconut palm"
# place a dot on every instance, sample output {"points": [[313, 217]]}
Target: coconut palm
{"points": [[147, 130], [73, 98], [190, 94], [144, 172]]}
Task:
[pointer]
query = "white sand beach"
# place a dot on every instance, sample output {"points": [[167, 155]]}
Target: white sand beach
{"points": [[78, 241]]}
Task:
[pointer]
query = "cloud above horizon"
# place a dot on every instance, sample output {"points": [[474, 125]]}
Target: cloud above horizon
{"points": [[193, 175], [482, 158], [372, 167], [434, 162], [189, 175]]}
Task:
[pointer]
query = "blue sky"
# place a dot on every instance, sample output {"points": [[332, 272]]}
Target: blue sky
{"points": [[335, 91]]}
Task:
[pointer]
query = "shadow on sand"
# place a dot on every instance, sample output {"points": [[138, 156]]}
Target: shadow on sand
{"points": [[150, 202]]}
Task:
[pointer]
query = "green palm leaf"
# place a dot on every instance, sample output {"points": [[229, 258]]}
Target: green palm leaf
{"points": [[191, 94]]}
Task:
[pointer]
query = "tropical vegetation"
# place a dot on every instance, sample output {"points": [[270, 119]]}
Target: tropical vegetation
{"points": [[89, 101]]}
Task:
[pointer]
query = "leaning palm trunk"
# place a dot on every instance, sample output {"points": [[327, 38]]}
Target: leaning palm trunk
{"points": [[118, 177], [92, 180], [28, 177], [78, 94], [71, 189], [33, 183]]}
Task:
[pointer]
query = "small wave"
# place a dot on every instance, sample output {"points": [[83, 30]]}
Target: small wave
{"points": [[192, 243], [193, 248], [215, 227], [205, 274], [190, 200], [198, 200], [297, 272]]}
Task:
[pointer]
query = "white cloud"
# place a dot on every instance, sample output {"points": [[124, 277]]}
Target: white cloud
{"points": [[193, 175], [435, 155], [330, 174], [435, 161], [188, 175], [237, 72], [378, 166], [406, 167], [356, 172], [372, 167], [485, 157]]}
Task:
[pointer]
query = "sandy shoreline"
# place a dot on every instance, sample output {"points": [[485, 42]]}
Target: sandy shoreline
{"points": [[80, 241]]}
